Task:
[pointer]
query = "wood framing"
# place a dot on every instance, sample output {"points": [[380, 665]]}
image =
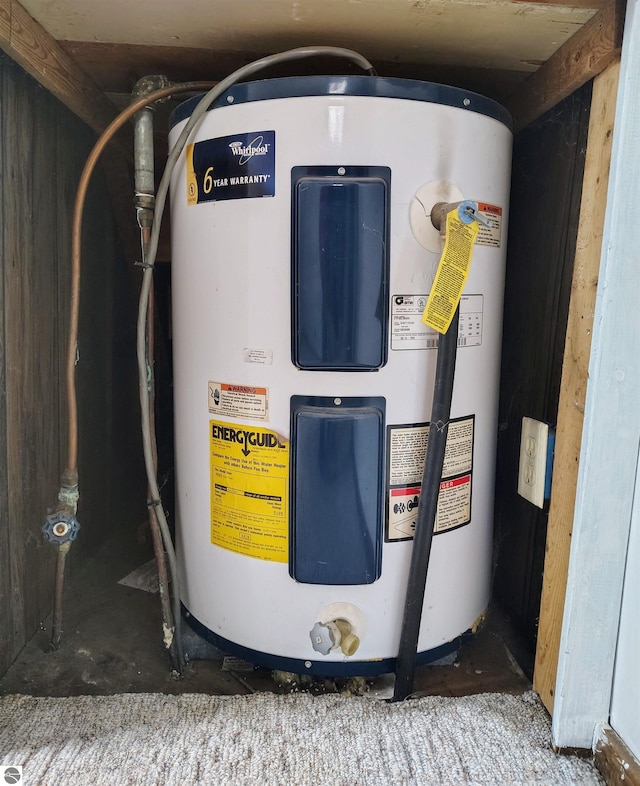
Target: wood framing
{"points": [[611, 434], [582, 57], [114, 67], [29, 44], [568, 3], [616, 762], [574, 380]]}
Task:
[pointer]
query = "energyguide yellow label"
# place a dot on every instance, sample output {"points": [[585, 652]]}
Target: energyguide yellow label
{"points": [[249, 490]]}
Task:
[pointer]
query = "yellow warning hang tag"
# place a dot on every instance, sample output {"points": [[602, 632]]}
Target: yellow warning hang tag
{"points": [[452, 273]]}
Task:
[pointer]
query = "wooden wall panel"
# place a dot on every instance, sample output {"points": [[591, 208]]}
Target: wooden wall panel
{"points": [[548, 166], [42, 151], [30, 327], [6, 622]]}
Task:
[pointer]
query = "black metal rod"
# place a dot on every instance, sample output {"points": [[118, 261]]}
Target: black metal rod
{"points": [[423, 536]]}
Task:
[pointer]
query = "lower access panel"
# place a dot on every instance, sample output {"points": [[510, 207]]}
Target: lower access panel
{"points": [[337, 489]]}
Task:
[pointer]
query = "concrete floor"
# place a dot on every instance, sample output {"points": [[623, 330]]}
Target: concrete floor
{"points": [[112, 644]]}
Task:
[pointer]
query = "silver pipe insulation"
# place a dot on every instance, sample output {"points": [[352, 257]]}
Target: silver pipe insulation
{"points": [[144, 185]]}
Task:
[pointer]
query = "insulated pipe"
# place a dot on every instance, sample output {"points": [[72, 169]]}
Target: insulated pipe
{"points": [[143, 147], [144, 183], [428, 504]]}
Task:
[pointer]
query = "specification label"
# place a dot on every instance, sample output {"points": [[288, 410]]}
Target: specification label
{"points": [[262, 356], [238, 401], [249, 491], [407, 447], [408, 331]]}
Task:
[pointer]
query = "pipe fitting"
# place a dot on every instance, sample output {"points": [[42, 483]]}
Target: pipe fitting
{"points": [[69, 496], [467, 212], [149, 84], [144, 177], [349, 642]]}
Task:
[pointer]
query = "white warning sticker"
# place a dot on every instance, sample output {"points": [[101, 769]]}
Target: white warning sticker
{"points": [[408, 331], [239, 401], [490, 231], [407, 447]]}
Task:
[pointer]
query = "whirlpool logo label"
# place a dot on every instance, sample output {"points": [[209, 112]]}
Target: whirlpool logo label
{"points": [[242, 166], [257, 147]]}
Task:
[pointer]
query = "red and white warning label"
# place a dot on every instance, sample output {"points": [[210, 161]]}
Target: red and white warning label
{"points": [[490, 230], [407, 450], [238, 401]]}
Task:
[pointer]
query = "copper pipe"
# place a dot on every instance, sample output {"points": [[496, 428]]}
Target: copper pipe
{"points": [[70, 473], [76, 235], [56, 625]]}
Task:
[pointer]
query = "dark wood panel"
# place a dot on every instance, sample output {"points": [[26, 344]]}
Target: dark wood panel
{"points": [[31, 325], [6, 620], [43, 149], [18, 267], [547, 175]]}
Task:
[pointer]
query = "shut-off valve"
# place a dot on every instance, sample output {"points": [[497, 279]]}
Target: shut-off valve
{"points": [[60, 528], [331, 635]]}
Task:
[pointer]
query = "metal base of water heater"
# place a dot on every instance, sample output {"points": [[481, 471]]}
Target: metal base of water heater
{"points": [[317, 668]]}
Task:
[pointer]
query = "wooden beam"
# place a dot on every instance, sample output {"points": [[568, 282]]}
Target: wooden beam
{"points": [[29, 44], [116, 67], [618, 765], [586, 54], [608, 472], [574, 380], [595, 4]]}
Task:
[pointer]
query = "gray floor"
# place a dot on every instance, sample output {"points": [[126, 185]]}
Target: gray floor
{"points": [[112, 644]]}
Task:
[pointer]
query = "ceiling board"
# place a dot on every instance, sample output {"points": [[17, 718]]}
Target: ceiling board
{"points": [[496, 34], [117, 67]]}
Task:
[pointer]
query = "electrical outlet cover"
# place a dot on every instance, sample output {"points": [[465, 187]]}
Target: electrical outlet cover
{"points": [[533, 461]]}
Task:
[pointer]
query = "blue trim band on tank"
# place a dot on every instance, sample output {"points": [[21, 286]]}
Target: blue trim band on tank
{"points": [[354, 668], [373, 86]]}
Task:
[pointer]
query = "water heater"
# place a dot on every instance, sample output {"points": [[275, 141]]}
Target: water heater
{"points": [[303, 255]]}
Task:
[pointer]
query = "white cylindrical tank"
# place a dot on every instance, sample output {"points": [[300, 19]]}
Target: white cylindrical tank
{"points": [[303, 255]]}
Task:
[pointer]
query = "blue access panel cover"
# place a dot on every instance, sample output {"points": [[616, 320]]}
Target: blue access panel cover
{"points": [[337, 489], [340, 267]]}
